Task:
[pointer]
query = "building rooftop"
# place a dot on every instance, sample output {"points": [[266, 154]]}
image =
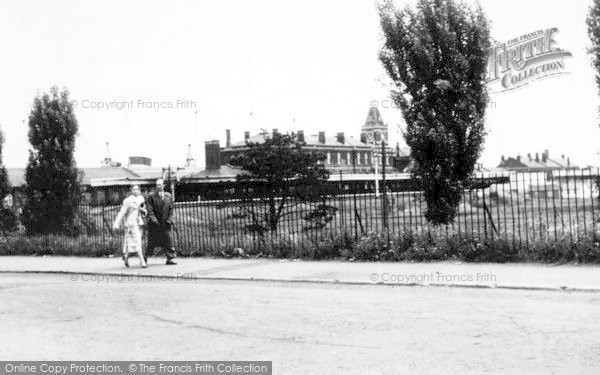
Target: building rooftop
{"points": [[106, 172], [226, 172], [536, 162], [374, 119], [310, 140], [16, 176]]}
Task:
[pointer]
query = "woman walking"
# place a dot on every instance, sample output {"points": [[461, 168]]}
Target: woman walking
{"points": [[130, 216]]}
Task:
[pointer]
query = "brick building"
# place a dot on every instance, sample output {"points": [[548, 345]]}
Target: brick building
{"points": [[536, 163], [343, 153]]}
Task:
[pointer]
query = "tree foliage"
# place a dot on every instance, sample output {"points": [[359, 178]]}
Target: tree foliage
{"points": [[436, 56], [4, 183], [593, 25], [53, 180], [285, 176], [8, 219]]}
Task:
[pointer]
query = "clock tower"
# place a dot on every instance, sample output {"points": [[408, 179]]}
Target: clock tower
{"points": [[374, 130]]}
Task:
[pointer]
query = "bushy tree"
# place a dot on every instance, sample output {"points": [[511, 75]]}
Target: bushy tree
{"points": [[4, 183], [436, 56], [53, 180], [593, 25], [286, 175], [8, 220]]}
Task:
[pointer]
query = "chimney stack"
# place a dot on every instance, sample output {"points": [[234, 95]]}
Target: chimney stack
{"points": [[246, 135], [228, 135], [529, 156], [537, 157], [139, 160], [300, 136], [322, 137], [275, 131], [545, 156], [340, 138], [212, 151], [519, 158]]}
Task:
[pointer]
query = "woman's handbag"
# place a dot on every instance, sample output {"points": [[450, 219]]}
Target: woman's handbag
{"points": [[141, 216]]}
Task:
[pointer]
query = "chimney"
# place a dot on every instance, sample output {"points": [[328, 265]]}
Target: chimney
{"points": [[228, 136], [529, 156], [300, 136], [545, 156], [275, 131], [562, 156], [502, 159], [568, 162], [537, 157], [246, 136], [322, 137], [519, 158], [212, 151], [139, 160], [340, 138]]}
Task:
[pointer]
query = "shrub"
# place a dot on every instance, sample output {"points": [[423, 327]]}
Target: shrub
{"points": [[405, 246]]}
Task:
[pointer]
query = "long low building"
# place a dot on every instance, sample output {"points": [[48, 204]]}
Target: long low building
{"points": [[107, 184]]}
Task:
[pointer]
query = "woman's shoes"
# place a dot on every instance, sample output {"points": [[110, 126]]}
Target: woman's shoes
{"points": [[126, 260]]}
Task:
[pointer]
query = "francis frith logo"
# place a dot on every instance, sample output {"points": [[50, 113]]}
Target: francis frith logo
{"points": [[522, 60]]}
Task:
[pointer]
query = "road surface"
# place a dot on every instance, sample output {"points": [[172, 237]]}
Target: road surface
{"points": [[303, 328]]}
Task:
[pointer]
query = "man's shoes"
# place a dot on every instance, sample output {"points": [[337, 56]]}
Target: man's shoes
{"points": [[126, 260], [170, 262]]}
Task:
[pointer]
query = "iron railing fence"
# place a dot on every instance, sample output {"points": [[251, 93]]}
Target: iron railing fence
{"points": [[520, 208]]}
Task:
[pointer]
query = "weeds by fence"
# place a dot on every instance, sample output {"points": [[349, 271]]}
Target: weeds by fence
{"points": [[532, 216]]}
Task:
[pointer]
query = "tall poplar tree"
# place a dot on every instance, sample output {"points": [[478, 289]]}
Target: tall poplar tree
{"points": [[436, 55], [593, 25], [53, 180]]}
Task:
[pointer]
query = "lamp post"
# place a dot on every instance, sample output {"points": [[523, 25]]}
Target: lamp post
{"points": [[376, 156]]}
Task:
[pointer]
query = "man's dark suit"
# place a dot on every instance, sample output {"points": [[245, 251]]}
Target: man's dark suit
{"points": [[160, 211]]}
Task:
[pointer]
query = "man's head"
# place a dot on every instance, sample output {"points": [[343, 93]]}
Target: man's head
{"points": [[160, 185], [135, 190]]}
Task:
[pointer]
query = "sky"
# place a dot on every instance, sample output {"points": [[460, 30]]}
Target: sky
{"points": [[176, 73]]}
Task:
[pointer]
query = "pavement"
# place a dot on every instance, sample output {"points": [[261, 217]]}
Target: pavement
{"points": [[303, 328], [526, 276]]}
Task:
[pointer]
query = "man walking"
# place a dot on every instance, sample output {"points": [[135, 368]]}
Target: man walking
{"points": [[160, 210]]}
